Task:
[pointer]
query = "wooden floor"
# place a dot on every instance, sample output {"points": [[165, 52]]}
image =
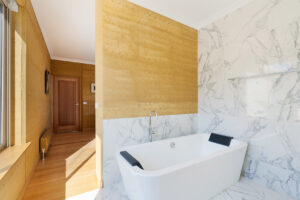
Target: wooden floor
{"points": [[68, 170]]}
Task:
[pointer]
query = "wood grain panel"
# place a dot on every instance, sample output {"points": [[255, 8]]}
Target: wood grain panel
{"points": [[88, 110], [12, 162], [86, 73], [38, 112], [66, 104], [99, 14], [67, 99], [14, 180], [149, 62], [30, 105], [64, 68]]}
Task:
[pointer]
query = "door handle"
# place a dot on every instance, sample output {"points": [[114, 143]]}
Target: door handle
{"points": [[76, 104]]}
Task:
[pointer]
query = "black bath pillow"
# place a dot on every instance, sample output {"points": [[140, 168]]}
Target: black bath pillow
{"points": [[132, 161], [220, 139]]}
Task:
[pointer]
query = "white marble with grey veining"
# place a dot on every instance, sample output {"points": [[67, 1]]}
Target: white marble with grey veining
{"points": [[123, 132], [243, 190], [259, 39], [245, 90], [247, 190], [273, 157]]}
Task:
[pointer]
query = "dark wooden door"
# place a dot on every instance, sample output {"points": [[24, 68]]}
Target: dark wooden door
{"points": [[66, 104]]}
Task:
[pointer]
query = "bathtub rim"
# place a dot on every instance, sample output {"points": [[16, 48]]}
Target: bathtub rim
{"points": [[173, 168]]}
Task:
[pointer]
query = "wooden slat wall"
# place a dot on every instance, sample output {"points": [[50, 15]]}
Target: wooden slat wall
{"points": [[149, 62]]}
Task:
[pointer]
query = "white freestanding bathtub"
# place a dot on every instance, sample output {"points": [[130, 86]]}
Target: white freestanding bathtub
{"points": [[194, 169]]}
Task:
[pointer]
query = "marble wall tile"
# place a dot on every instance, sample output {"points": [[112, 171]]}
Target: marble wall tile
{"points": [[273, 156], [119, 133], [241, 94]]}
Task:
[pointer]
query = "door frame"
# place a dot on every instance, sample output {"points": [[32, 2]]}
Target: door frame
{"points": [[53, 102]]}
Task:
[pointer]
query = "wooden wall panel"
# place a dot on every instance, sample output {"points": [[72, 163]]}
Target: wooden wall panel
{"points": [[64, 68], [86, 73], [99, 14], [38, 104], [30, 105], [13, 182], [88, 110], [149, 62]]}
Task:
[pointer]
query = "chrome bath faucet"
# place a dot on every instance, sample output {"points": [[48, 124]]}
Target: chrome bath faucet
{"points": [[150, 125]]}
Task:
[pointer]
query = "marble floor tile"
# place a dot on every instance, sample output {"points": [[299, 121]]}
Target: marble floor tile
{"points": [[243, 190], [248, 190]]}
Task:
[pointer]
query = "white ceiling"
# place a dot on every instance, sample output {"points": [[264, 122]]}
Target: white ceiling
{"points": [[193, 13], [68, 26]]}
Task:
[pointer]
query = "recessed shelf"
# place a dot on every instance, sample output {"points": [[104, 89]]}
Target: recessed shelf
{"points": [[263, 75]]}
